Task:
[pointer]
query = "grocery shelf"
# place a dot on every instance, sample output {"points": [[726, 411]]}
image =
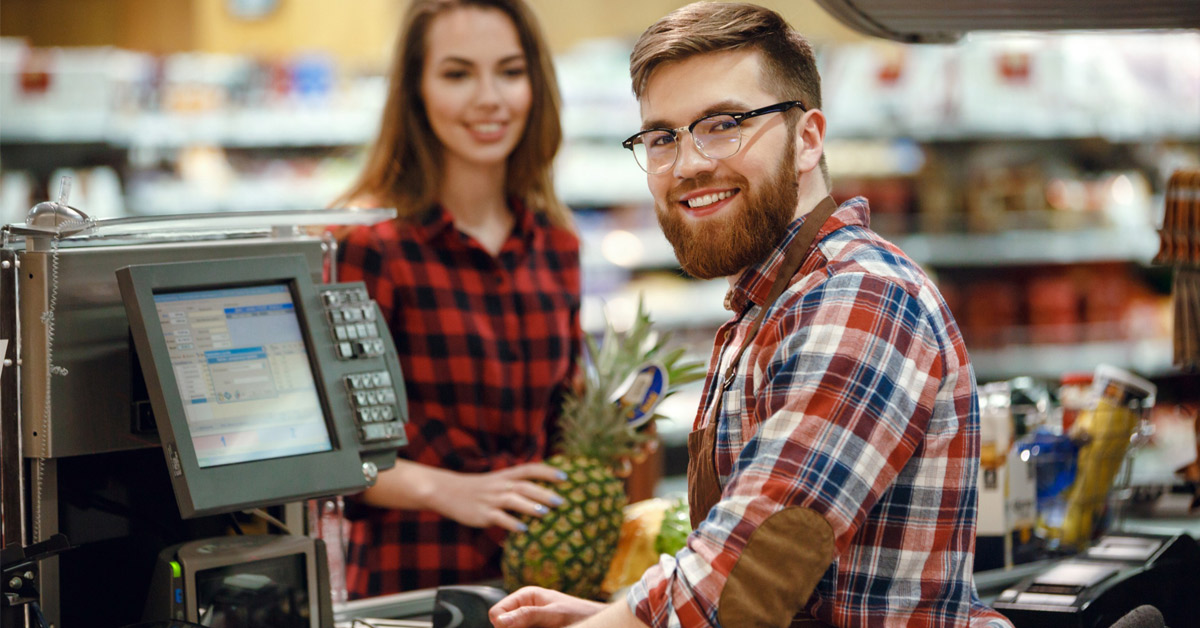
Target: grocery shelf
{"points": [[691, 304], [1020, 247], [699, 305], [246, 128], [647, 248], [1146, 356]]}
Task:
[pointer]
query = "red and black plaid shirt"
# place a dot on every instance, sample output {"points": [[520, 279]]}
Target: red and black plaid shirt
{"points": [[486, 343]]}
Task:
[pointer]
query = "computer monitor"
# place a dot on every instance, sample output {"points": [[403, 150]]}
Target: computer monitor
{"points": [[266, 388]]}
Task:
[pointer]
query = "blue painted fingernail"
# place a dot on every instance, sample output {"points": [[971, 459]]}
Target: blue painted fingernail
{"points": [[556, 500], [541, 509], [562, 475], [522, 527]]}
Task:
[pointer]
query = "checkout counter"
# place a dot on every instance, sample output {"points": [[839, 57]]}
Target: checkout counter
{"points": [[164, 377], [166, 380]]}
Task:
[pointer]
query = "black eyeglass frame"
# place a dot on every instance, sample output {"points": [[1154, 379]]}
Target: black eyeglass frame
{"points": [[738, 118]]}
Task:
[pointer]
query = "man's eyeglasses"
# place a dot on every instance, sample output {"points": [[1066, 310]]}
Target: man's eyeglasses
{"points": [[716, 136]]}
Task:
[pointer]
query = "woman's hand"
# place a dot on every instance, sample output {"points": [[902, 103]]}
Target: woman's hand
{"points": [[541, 608], [486, 499]]}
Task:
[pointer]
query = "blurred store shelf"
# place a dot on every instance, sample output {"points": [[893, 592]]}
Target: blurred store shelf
{"points": [[647, 248], [273, 127], [1150, 356], [1134, 244]]}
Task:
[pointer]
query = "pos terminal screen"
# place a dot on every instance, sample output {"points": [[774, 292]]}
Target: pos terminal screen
{"points": [[244, 374]]}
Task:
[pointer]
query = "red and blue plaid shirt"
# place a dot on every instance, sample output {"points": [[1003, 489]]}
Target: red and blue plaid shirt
{"points": [[486, 344], [856, 400]]}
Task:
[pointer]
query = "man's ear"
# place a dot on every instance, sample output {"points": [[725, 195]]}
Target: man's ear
{"points": [[810, 140]]}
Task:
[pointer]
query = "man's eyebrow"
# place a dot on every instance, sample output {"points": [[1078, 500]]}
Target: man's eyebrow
{"points": [[725, 106]]}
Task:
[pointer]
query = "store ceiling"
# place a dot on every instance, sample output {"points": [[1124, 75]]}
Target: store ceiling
{"points": [[936, 21]]}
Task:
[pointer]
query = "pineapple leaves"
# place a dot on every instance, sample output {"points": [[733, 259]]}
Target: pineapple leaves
{"points": [[592, 424]]}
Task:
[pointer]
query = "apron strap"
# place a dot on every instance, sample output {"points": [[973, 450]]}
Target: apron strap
{"points": [[792, 259]]}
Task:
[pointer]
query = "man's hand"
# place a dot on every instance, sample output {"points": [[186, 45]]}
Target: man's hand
{"points": [[535, 607]]}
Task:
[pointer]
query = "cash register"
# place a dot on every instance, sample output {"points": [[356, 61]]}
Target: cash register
{"points": [[266, 389], [1118, 574]]}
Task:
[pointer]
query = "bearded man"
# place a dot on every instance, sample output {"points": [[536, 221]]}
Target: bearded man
{"points": [[833, 465]]}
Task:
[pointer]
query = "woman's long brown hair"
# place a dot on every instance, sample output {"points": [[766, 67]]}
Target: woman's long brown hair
{"points": [[404, 165]]}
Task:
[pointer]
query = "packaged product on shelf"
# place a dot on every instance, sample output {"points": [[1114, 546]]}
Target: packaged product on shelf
{"points": [[1049, 451], [876, 86], [1074, 394], [1053, 307], [1103, 432], [992, 312], [1007, 486], [1010, 82], [1105, 290]]}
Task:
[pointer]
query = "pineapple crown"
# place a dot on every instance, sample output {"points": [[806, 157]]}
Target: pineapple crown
{"points": [[593, 425]]}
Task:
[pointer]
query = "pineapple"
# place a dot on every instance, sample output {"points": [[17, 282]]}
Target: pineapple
{"points": [[569, 549]]}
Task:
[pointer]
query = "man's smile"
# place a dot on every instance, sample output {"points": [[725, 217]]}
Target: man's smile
{"points": [[706, 201]]}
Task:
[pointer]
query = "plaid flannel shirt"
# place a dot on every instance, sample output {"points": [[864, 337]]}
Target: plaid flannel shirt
{"points": [[486, 344], [857, 401]]}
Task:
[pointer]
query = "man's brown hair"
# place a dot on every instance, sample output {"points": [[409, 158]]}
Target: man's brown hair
{"points": [[789, 68]]}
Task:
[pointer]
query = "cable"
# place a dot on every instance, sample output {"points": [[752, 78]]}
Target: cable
{"points": [[237, 527], [51, 368], [37, 614], [269, 519]]}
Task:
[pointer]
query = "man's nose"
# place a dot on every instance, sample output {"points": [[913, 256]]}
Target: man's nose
{"points": [[690, 161]]}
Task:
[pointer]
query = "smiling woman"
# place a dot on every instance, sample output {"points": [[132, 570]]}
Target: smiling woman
{"points": [[478, 280], [476, 89]]}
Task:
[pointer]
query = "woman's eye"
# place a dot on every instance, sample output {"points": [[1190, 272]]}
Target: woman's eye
{"points": [[514, 72], [455, 74]]}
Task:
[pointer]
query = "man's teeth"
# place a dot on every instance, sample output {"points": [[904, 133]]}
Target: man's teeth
{"points": [[708, 199], [489, 127]]}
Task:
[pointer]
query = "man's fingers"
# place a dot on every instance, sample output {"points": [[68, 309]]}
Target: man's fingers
{"points": [[525, 596], [524, 617]]}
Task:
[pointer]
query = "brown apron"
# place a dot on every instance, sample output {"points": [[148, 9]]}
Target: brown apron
{"points": [[704, 487]]}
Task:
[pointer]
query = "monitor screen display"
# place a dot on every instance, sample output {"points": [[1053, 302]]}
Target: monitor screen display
{"points": [[243, 373], [269, 593]]}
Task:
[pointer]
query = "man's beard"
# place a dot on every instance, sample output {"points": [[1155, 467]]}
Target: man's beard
{"points": [[723, 245]]}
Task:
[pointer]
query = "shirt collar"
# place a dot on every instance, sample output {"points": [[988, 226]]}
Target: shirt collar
{"points": [[436, 221], [754, 284]]}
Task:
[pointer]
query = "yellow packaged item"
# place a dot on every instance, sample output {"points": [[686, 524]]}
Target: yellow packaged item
{"points": [[635, 550]]}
